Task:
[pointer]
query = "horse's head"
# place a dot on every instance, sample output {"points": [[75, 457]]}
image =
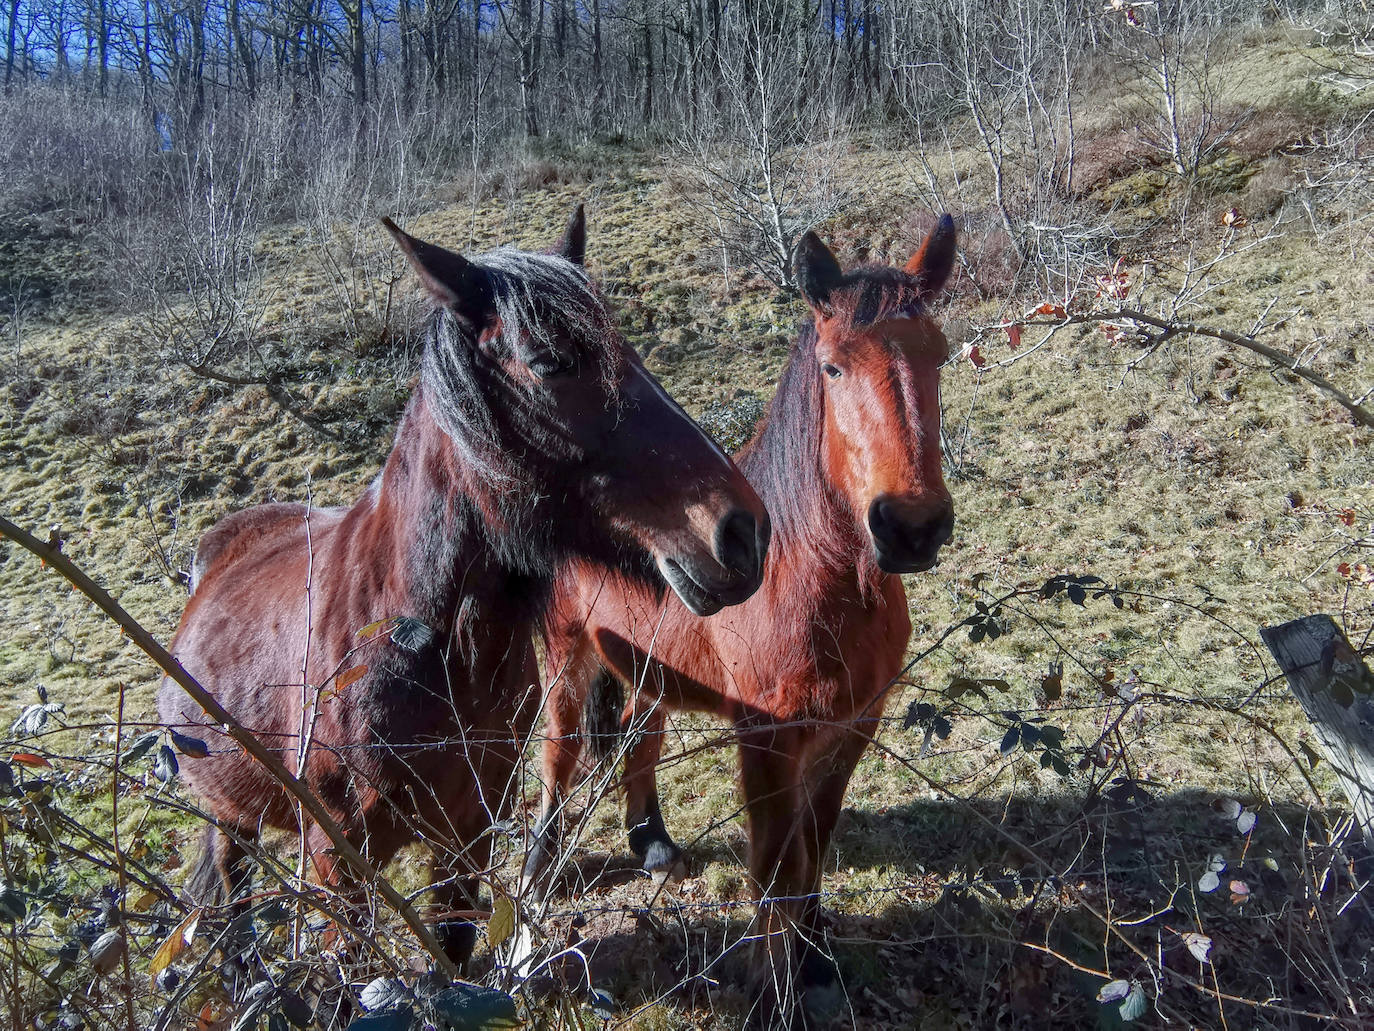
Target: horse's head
{"points": [[583, 453], [878, 358]]}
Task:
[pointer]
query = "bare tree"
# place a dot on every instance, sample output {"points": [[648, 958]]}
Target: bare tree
{"points": [[1171, 46]]}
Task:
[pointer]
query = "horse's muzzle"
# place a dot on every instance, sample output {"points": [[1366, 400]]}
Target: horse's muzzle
{"points": [[732, 574], [907, 534]]}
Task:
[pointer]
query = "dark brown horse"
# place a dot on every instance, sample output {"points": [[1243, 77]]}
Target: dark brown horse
{"points": [[848, 462], [534, 437]]}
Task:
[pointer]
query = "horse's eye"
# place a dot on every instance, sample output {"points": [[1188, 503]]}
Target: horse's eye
{"points": [[830, 370], [551, 366]]}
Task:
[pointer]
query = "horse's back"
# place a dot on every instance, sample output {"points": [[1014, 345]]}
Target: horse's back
{"points": [[224, 572], [242, 638], [236, 534]]}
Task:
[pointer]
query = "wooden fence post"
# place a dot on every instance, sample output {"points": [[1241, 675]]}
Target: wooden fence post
{"points": [[1336, 691]]}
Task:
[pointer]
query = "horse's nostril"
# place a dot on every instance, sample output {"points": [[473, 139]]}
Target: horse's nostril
{"points": [[944, 527], [880, 519], [736, 542], [933, 532]]}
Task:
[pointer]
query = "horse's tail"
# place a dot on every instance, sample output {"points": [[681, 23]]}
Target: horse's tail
{"points": [[601, 715], [205, 883]]}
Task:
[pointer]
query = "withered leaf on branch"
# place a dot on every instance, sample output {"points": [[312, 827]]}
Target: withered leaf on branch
{"points": [[191, 746], [108, 951], [174, 945], [1198, 944], [501, 925]]}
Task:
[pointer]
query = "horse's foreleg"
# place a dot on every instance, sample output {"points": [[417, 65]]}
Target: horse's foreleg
{"points": [[649, 838], [778, 857], [561, 753], [455, 889], [824, 784], [333, 875]]}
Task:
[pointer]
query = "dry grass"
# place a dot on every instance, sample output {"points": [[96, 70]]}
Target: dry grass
{"points": [[1197, 478]]}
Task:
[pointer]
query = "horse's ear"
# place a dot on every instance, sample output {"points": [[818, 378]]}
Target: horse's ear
{"points": [[573, 246], [817, 272], [452, 280], [931, 265]]}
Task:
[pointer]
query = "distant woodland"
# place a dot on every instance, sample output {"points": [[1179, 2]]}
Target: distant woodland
{"points": [[610, 67]]}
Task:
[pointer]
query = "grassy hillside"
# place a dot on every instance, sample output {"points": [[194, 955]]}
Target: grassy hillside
{"points": [[1215, 494]]}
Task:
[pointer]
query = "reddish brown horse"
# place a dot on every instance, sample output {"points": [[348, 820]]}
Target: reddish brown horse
{"points": [[534, 437], [848, 462]]}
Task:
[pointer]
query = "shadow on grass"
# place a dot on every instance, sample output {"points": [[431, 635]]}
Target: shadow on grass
{"points": [[940, 914]]}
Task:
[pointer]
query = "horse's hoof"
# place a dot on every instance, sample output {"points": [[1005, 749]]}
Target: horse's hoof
{"points": [[677, 872], [822, 994], [664, 862], [533, 883], [822, 1002], [518, 952], [457, 938]]}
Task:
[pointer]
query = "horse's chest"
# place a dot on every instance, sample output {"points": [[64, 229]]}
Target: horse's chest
{"points": [[840, 664], [431, 705]]}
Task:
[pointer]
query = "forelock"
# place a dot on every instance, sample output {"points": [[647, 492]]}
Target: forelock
{"points": [[533, 296], [536, 294], [872, 293]]}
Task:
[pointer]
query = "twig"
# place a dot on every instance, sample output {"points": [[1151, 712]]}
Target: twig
{"points": [[1358, 412], [119, 859]]}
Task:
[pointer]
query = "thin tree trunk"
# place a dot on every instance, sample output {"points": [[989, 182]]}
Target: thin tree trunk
{"points": [[197, 72], [406, 52], [599, 94], [102, 45], [244, 48], [61, 65], [1067, 65], [357, 51], [528, 31], [145, 66], [647, 107], [10, 34]]}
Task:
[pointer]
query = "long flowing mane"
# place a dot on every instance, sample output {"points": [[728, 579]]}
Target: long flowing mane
{"points": [[783, 460]]}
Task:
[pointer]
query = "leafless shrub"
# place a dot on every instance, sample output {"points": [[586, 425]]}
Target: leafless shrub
{"points": [[59, 151], [1172, 48], [764, 170]]}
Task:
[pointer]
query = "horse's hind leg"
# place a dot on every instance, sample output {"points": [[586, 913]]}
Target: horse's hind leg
{"points": [[649, 838], [221, 877], [222, 870]]}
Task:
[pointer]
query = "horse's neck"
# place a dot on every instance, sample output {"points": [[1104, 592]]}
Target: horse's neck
{"points": [[437, 518]]}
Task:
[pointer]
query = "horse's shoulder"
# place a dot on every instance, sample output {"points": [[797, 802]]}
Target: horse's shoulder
{"points": [[233, 535]]}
